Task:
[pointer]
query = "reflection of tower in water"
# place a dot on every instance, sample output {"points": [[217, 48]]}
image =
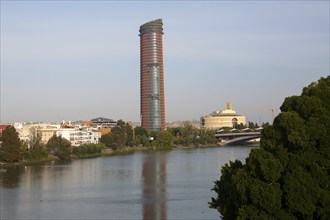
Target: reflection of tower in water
{"points": [[154, 187]]}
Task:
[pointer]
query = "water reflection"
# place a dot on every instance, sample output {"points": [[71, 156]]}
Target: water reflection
{"points": [[11, 176], [149, 185], [154, 186]]}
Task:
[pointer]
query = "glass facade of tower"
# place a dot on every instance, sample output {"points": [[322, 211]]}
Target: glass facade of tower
{"points": [[152, 100]]}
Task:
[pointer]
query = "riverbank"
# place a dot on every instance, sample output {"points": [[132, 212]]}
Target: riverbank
{"points": [[105, 152], [29, 162]]}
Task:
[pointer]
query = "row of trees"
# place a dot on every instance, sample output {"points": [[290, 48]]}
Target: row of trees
{"points": [[61, 148], [124, 135], [121, 136], [288, 177], [188, 135], [255, 125], [15, 150]]}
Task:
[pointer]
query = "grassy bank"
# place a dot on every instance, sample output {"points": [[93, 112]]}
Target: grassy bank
{"points": [[29, 162], [104, 152]]}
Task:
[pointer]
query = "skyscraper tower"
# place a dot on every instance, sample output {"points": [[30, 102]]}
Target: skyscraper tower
{"points": [[152, 99]]}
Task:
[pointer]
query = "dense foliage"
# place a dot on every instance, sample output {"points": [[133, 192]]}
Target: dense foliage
{"points": [[163, 140], [120, 136], [11, 145], [35, 149], [87, 150], [123, 135], [288, 177], [188, 135], [59, 147]]}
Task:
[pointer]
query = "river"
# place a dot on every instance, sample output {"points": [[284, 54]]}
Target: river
{"points": [[145, 185]]}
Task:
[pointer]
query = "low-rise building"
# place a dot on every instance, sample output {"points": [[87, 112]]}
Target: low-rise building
{"points": [[48, 131], [77, 135], [104, 122], [24, 129], [2, 128], [222, 118], [80, 136]]}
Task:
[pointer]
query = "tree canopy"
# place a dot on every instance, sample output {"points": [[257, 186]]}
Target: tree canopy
{"points": [[121, 135], [188, 135], [36, 149], [288, 177], [11, 145], [59, 147], [163, 140]]}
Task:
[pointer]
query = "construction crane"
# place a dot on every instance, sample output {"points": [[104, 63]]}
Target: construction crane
{"points": [[269, 109]]}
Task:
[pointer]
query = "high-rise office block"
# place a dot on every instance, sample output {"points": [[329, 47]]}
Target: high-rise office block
{"points": [[152, 99]]}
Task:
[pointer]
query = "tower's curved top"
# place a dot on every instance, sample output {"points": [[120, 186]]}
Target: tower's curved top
{"points": [[152, 26]]}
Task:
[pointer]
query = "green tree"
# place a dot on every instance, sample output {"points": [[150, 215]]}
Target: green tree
{"points": [[59, 147], [35, 139], [139, 131], [185, 135], [87, 149], [36, 149], [107, 139], [205, 136], [188, 133], [144, 141], [141, 137], [163, 140], [177, 137], [288, 177], [120, 136], [11, 145]]}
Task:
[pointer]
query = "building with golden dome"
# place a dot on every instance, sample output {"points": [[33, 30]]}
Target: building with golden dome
{"points": [[222, 118]]}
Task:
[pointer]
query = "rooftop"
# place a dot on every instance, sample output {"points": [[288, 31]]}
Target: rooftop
{"points": [[102, 120], [152, 26], [226, 112]]}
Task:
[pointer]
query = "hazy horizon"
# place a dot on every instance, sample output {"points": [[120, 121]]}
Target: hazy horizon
{"points": [[68, 60]]}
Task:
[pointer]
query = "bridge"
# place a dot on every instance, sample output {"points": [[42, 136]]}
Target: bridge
{"points": [[229, 138]]}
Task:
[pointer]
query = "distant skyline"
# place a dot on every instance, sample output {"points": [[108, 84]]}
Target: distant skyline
{"points": [[78, 60]]}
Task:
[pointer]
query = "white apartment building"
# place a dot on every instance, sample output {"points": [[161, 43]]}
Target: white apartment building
{"points": [[80, 136], [24, 129], [76, 135], [48, 132]]}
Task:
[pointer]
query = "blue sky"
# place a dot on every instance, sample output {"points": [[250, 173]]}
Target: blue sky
{"points": [[77, 60]]}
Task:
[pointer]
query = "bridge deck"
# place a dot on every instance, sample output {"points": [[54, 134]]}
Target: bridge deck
{"points": [[257, 134], [228, 138]]}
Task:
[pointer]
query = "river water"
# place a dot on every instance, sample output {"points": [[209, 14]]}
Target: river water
{"points": [[145, 185]]}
